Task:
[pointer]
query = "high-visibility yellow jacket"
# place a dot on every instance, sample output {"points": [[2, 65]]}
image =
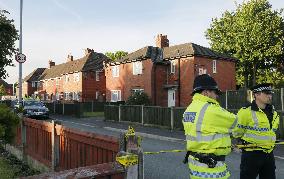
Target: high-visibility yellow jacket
{"points": [[208, 126], [253, 127]]}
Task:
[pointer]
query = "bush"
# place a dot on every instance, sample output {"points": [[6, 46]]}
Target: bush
{"points": [[138, 98], [8, 123]]}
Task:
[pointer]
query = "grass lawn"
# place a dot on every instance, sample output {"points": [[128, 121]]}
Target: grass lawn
{"points": [[6, 171], [93, 114]]}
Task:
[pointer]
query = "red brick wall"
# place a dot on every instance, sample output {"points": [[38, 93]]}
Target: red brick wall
{"points": [[90, 86], [127, 81], [225, 78]]}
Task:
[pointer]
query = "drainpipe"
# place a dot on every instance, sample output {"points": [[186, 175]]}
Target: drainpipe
{"points": [[179, 82], [155, 85]]}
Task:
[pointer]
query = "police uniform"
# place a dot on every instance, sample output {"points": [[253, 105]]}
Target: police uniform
{"points": [[257, 126], [207, 128]]}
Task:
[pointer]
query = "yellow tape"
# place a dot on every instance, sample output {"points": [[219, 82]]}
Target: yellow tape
{"points": [[127, 160]]}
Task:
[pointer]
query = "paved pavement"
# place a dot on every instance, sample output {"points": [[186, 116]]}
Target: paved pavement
{"points": [[166, 166]]}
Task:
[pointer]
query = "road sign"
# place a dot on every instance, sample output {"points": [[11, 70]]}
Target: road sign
{"points": [[21, 58]]}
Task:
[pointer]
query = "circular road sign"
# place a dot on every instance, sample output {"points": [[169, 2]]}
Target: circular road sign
{"points": [[21, 58]]}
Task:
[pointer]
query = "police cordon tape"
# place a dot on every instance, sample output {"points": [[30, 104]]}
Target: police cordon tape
{"points": [[132, 159]]}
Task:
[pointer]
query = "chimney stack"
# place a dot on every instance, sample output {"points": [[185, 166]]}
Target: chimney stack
{"points": [[88, 50], [69, 58], [162, 41], [51, 63]]}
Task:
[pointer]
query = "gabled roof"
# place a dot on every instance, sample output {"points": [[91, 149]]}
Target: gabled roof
{"points": [[157, 54], [91, 62], [34, 76], [191, 49], [148, 52], [5, 84]]}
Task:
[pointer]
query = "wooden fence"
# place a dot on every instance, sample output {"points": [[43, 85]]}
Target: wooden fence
{"points": [[160, 116], [237, 99], [63, 148], [146, 115]]}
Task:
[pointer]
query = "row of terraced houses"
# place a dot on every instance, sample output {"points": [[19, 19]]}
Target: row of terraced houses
{"points": [[164, 72]]}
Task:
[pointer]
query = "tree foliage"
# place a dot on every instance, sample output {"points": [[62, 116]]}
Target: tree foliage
{"points": [[8, 123], [117, 55], [2, 90], [8, 36], [254, 34], [138, 98]]}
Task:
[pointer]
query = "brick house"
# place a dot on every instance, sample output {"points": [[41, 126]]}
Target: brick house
{"points": [[8, 87], [166, 73], [81, 80]]}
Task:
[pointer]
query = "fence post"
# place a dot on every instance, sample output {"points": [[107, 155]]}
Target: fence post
{"points": [[282, 98], [55, 147], [92, 105], [226, 99], [119, 113], [142, 114], [23, 138], [53, 107], [63, 109], [172, 118]]}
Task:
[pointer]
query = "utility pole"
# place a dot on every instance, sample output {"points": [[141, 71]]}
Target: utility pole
{"points": [[20, 51]]}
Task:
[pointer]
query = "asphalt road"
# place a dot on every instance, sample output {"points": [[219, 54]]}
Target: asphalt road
{"points": [[167, 165]]}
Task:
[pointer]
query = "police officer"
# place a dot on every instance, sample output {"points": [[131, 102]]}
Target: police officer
{"points": [[256, 125], [207, 128]]}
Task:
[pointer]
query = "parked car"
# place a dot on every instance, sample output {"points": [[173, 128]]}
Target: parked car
{"points": [[35, 109]]}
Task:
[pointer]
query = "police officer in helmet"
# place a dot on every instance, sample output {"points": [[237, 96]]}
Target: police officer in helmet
{"points": [[207, 128], [257, 124]]}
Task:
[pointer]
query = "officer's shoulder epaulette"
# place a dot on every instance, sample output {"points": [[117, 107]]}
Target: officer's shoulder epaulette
{"points": [[246, 106]]}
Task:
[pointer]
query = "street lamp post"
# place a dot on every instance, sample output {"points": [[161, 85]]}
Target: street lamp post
{"points": [[20, 51]]}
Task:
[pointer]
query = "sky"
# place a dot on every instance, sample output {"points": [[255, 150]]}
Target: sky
{"points": [[53, 29]]}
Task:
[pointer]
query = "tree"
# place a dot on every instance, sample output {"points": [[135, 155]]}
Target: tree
{"points": [[254, 34], [117, 55], [138, 98], [8, 36], [8, 123], [2, 90]]}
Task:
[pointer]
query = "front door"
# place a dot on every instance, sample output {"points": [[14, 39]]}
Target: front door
{"points": [[171, 98]]}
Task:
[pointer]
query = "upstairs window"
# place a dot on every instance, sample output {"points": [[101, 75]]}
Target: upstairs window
{"points": [[115, 95], [137, 90], [97, 76], [76, 77], [66, 78], [115, 71], [33, 84], [173, 66], [214, 66], [137, 68], [202, 71]]}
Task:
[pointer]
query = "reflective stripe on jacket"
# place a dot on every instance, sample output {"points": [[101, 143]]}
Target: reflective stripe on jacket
{"points": [[254, 127], [208, 126]]}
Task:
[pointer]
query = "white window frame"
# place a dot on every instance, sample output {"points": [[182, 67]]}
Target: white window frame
{"points": [[173, 66], [57, 81], [137, 90], [33, 84], [67, 78], [214, 66], [76, 77], [137, 68], [202, 71], [115, 71], [118, 95], [97, 94], [97, 75]]}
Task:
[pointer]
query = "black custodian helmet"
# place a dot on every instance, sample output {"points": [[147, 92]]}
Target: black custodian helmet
{"points": [[205, 82]]}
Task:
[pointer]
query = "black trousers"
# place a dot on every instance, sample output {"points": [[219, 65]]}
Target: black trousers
{"points": [[257, 163]]}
